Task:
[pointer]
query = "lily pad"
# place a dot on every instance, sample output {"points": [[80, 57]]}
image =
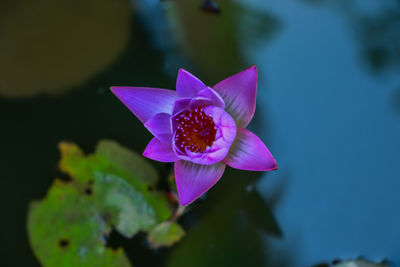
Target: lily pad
{"points": [[129, 209], [116, 186], [105, 192], [165, 234], [65, 229], [133, 163]]}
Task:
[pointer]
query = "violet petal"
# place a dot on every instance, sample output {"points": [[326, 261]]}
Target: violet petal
{"points": [[200, 102], [181, 104], [160, 126], [239, 93], [145, 102], [187, 85], [157, 150], [193, 180], [248, 152], [211, 94]]}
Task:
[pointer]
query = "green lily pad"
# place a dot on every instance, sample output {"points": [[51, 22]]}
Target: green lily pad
{"points": [[131, 162], [165, 234], [116, 185], [129, 209], [65, 229], [109, 189]]}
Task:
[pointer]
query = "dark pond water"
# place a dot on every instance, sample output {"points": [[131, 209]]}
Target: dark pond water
{"points": [[328, 108]]}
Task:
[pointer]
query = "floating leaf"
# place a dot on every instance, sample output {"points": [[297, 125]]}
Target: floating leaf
{"points": [[116, 186], [129, 209], [71, 224], [133, 163], [65, 229], [72, 161], [165, 234]]}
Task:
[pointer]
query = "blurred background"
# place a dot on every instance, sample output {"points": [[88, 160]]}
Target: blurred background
{"points": [[328, 108]]}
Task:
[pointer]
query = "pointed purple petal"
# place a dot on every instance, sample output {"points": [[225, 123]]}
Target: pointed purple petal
{"points": [[193, 180], [146, 102], [159, 151], [187, 85], [239, 93], [181, 105], [248, 152], [160, 126], [211, 94]]}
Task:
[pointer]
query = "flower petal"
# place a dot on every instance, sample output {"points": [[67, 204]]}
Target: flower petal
{"points": [[187, 85], [146, 102], [225, 135], [211, 94], [159, 151], [200, 102], [193, 180], [181, 104], [239, 93], [160, 126], [248, 152]]}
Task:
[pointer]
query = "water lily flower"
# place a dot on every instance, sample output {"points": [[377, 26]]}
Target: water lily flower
{"points": [[201, 129]]}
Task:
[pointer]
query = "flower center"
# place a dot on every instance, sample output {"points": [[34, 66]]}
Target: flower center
{"points": [[195, 131]]}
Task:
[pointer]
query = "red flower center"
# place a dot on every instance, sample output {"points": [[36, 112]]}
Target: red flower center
{"points": [[195, 131]]}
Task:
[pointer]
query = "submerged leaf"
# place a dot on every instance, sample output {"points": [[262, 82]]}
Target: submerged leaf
{"points": [[165, 234], [81, 38]]}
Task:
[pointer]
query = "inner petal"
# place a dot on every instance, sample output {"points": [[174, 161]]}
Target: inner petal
{"points": [[195, 130]]}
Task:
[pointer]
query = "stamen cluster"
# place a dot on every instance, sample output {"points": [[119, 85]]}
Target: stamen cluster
{"points": [[195, 131]]}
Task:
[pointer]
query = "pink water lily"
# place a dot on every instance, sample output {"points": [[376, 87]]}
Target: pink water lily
{"points": [[201, 129]]}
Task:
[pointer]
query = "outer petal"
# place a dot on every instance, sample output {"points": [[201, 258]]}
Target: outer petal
{"points": [[160, 126], [145, 102], [239, 93], [159, 151], [193, 180], [187, 85], [248, 152]]}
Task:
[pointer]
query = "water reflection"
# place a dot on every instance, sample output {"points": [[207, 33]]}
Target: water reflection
{"points": [[376, 25], [53, 46], [331, 122], [396, 99], [231, 226], [215, 43]]}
